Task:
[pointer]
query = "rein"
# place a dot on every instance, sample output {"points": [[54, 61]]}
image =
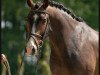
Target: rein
{"points": [[20, 66]]}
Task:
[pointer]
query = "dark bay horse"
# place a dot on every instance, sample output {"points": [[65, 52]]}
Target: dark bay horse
{"points": [[74, 45]]}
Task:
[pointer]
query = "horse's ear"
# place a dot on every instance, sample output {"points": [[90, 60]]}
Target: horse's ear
{"points": [[30, 4], [45, 4]]}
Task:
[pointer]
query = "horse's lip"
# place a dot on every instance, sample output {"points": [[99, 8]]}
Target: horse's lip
{"points": [[31, 59], [29, 55]]}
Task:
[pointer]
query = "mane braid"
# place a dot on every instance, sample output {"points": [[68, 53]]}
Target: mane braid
{"points": [[61, 7]]}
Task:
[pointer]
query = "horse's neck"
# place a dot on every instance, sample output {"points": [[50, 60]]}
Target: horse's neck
{"points": [[62, 25], [69, 35]]}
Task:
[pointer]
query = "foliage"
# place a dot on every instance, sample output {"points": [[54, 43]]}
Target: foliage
{"points": [[14, 13]]}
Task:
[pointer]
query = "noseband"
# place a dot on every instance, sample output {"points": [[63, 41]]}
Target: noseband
{"points": [[42, 37]]}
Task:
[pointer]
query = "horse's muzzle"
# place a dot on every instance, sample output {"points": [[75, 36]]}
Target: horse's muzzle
{"points": [[31, 52]]}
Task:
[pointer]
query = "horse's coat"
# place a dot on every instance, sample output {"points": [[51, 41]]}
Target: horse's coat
{"points": [[74, 45]]}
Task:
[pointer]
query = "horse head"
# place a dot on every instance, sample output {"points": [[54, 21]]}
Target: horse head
{"points": [[37, 27]]}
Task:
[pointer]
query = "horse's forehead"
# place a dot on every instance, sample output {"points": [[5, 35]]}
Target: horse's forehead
{"points": [[35, 16]]}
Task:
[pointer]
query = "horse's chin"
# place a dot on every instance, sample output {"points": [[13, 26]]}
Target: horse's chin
{"points": [[31, 59]]}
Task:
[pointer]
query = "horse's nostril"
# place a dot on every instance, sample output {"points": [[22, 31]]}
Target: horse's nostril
{"points": [[33, 50], [30, 50]]}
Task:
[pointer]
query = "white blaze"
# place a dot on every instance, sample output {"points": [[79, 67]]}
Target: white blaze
{"points": [[34, 23]]}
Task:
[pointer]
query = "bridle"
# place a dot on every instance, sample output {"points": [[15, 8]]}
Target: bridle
{"points": [[42, 37], [34, 35]]}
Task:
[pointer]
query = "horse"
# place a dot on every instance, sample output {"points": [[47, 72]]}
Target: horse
{"points": [[74, 44]]}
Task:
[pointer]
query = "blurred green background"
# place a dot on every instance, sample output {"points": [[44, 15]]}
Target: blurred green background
{"points": [[13, 31]]}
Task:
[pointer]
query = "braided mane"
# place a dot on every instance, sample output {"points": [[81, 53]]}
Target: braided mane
{"points": [[61, 7]]}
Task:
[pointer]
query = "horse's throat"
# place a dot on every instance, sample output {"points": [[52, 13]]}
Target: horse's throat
{"points": [[57, 57], [58, 63]]}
